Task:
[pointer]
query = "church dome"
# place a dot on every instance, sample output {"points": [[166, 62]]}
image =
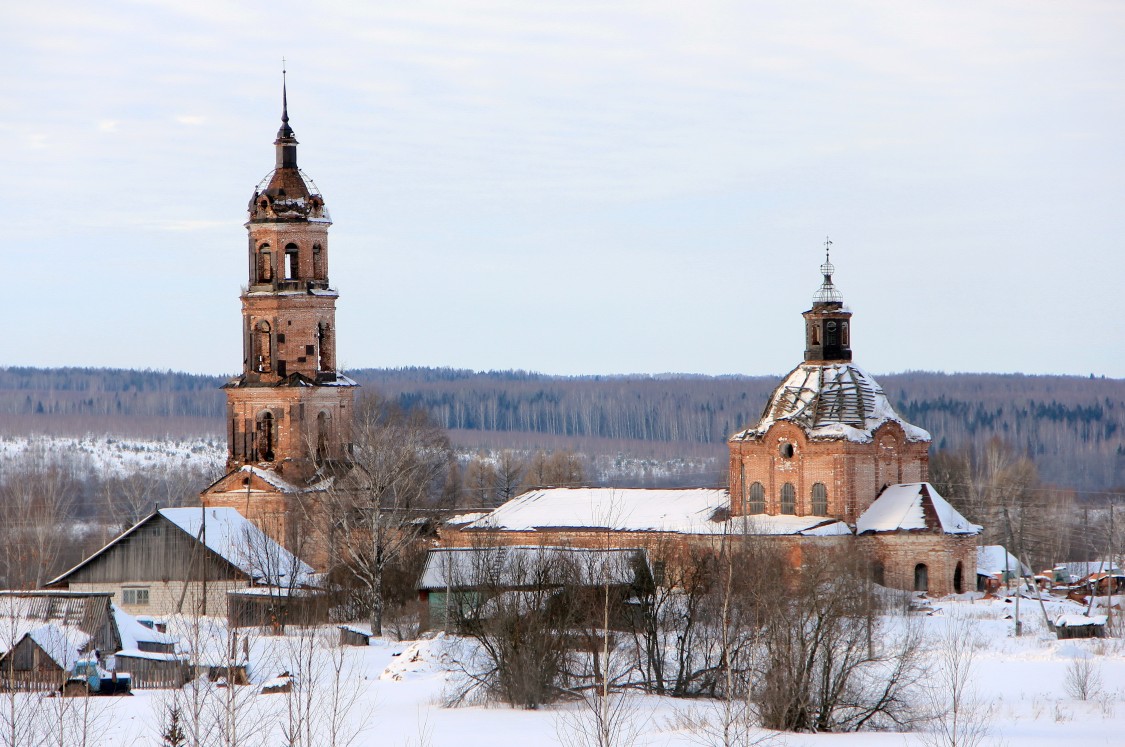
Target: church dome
{"points": [[288, 194], [831, 401]]}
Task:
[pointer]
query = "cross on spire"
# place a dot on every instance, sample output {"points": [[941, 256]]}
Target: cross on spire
{"points": [[827, 249]]}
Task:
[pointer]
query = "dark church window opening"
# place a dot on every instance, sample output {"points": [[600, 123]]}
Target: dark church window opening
{"points": [[291, 265], [819, 499], [830, 334], [788, 499], [958, 580], [757, 498], [263, 348], [324, 347], [265, 264], [878, 573], [322, 425], [815, 335], [265, 437], [787, 450], [921, 577], [844, 334]]}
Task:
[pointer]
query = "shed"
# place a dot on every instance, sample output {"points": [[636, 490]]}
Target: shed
{"points": [[1080, 626]]}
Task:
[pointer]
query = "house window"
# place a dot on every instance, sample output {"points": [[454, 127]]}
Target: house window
{"points": [[137, 597], [788, 499], [757, 498], [819, 499]]}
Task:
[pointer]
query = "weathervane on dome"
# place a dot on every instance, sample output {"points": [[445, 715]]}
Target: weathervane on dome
{"points": [[827, 293]]}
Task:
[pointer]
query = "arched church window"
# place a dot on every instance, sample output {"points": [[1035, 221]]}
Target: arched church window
{"points": [[819, 499], [292, 268], [786, 449], [814, 330], [830, 333], [263, 348], [265, 437], [322, 429], [757, 503], [844, 334], [265, 264], [788, 499], [921, 577], [878, 573], [958, 579]]}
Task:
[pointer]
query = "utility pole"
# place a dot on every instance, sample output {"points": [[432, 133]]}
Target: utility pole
{"points": [[1019, 571]]}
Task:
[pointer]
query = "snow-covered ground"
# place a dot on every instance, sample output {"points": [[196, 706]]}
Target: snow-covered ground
{"points": [[111, 456], [400, 689]]}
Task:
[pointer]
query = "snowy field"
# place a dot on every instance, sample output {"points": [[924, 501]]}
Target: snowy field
{"points": [[111, 456], [400, 688]]}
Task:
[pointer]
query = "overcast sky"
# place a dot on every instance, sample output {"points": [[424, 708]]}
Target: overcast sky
{"points": [[575, 188]]}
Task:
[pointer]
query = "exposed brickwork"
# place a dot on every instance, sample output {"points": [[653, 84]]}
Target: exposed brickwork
{"points": [[852, 473]]}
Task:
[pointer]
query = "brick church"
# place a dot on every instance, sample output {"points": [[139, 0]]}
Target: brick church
{"points": [[828, 463]]}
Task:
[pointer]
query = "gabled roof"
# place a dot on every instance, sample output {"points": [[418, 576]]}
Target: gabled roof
{"points": [[910, 507], [251, 479], [831, 401], [230, 536], [996, 559]]}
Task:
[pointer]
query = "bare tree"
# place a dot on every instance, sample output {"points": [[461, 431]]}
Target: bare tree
{"points": [[375, 511], [958, 717], [37, 503]]}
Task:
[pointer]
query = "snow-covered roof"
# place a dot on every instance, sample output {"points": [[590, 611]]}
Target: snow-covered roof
{"points": [[831, 401], [682, 511], [520, 566], [237, 540], [232, 537], [133, 633], [1073, 620], [992, 559], [466, 518], [629, 509], [911, 507], [64, 644]]}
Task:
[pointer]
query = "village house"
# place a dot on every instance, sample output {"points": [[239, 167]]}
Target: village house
{"points": [[188, 560]]}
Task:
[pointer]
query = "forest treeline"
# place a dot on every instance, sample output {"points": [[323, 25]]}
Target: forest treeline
{"points": [[1072, 427]]}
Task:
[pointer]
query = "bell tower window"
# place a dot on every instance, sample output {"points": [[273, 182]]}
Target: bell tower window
{"points": [[324, 347], [830, 334], [291, 263], [322, 429], [844, 334], [265, 437], [265, 264], [263, 348]]}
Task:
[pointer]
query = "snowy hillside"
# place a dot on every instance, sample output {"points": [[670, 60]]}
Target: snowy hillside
{"points": [[109, 456]]}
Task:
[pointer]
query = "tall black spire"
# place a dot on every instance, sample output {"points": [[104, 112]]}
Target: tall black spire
{"points": [[286, 141]]}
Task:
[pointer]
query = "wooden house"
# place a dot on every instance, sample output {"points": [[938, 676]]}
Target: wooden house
{"points": [[186, 560]]}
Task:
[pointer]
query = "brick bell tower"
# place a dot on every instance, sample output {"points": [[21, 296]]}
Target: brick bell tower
{"points": [[288, 413]]}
